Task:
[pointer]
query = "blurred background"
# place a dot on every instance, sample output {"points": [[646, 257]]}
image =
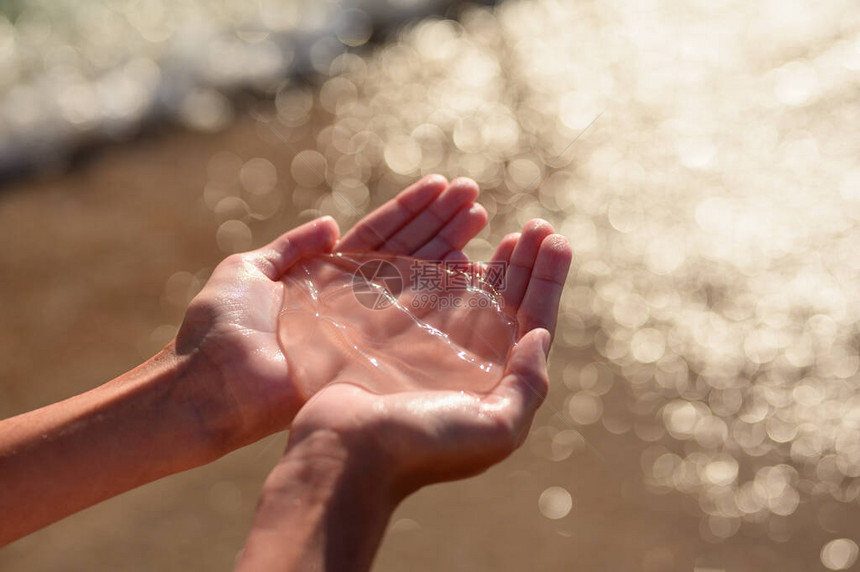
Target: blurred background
{"points": [[702, 157]]}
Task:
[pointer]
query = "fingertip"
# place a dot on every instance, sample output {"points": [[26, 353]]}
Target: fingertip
{"points": [[558, 243], [430, 186], [558, 248], [553, 259], [536, 340], [538, 226], [479, 214], [313, 237], [329, 225], [328, 221], [467, 186], [434, 179], [544, 339], [526, 374]]}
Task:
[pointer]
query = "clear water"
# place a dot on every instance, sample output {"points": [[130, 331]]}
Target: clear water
{"points": [[377, 321]]}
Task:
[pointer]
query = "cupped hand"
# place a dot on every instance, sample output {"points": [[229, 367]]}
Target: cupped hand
{"points": [[244, 389], [432, 436]]}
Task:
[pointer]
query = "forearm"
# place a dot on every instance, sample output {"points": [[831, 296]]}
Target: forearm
{"points": [[324, 507], [62, 458]]}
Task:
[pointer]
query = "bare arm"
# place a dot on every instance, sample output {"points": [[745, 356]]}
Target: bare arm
{"points": [[141, 426], [325, 506]]}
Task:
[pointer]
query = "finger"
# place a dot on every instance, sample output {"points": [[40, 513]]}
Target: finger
{"points": [[314, 237], [506, 248], [522, 260], [468, 222], [525, 383], [495, 271], [539, 307], [371, 232], [430, 221]]}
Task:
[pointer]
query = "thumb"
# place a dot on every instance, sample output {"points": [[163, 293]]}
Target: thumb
{"points": [[525, 381], [315, 237]]}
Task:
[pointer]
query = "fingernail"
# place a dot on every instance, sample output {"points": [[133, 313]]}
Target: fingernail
{"points": [[545, 341]]}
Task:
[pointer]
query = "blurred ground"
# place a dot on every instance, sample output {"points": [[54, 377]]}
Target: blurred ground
{"points": [[705, 410]]}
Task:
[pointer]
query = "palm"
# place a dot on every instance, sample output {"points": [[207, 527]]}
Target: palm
{"points": [[233, 323], [427, 436]]}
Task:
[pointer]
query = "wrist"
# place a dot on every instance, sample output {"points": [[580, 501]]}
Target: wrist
{"points": [[327, 502], [336, 462], [179, 387]]}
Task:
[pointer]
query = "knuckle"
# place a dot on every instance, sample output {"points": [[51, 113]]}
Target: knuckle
{"points": [[234, 260]]}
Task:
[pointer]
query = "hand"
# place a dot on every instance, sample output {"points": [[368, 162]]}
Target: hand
{"points": [[230, 329], [432, 436]]}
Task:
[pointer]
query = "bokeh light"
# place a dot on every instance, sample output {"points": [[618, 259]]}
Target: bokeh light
{"points": [[704, 169]]}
